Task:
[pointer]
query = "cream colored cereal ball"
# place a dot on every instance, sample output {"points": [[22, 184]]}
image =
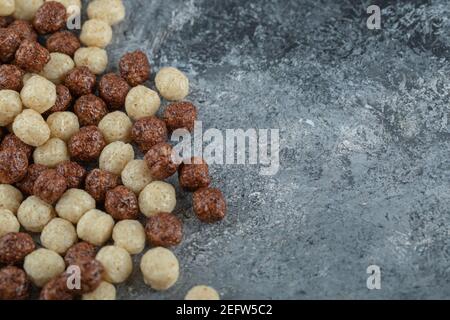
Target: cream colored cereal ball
{"points": [[172, 84], [110, 11], [10, 198], [130, 235], [160, 268], [105, 291], [58, 67], [63, 125], [142, 102], [202, 293], [10, 106], [26, 9], [96, 33], [117, 263], [95, 59], [38, 94], [68, 3], [43, 265], [116, 126], [27, 76], [7, 7], [52, 153], [115, 156], [136, 175], [59, 235], [158, 196], [34, 214], [31, 128], [95, 227], [73, 204], [8, 222]]}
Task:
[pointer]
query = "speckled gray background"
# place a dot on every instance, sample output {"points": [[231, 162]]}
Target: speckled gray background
{"points": [[363, 118]]}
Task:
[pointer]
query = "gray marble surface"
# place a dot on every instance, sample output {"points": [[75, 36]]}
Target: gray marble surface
{"points": [[363, 119]]}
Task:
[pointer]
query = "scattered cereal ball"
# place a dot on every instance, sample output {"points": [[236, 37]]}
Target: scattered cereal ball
{"points": [[180, 115], [79, 252], [96, 33], [202, 293], [63, 42], [34, 214], [11, 77], [58, 67], [73, 172], [164, 230], [87, 144], [172, 84], [142, 102], [50, 17], [26, 185], [105, 291], [14, 247], [113, 89], [69, 3], [136, 176], [13, 165], [57, 290], [110, 11], [5, 21], [130, 235], [80, 81], [31, 128], [209, 205], [159, 161], [121, 203], [116, 126], [42, 265], [148, 132], [59, 235], [27, 76], [63, 100], [10, 198], [194, 175], [96, 59], [24, 29], [7, 7], [98, 182], [50, 154], [160, 268], [92, 273], [115, 156], [157, 197], [95, 227], [38, 94], [12, 141], [73, 204], [63, 125], [8, 222], [14, 284], [10, 106], [31, 56], [117, 263], [26, 9], [9, 43], [90, 110], [135, 68], [50, 186]]}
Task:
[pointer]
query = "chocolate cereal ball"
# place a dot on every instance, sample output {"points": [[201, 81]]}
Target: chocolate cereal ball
{"points": [[57, 290], [50, 186], [209, 205], [92, 273], [79, 252], [14, 284], [73, 172], [63, 42], [50, 17], [26, 185], [113, 89], [14, 247], [5, 21], [80, 81], [31, 56], [90, 110], [98, 182], [13, 165], [24, 29], [9, 43], [63, 100], [11, 140], [96, 59], [11, 77], [164, 230], [87, 144], [194, 175], [180, 115], [135, 68], [122, 204], [148, 132], [159, 161]]}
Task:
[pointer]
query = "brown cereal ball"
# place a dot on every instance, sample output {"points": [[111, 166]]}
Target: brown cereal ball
{"points": [[159, 161], [113, 89], [57, 289], [80, 252], [14, 284], [11, 77], [164, 230], [135, 68], [87, 144], [26, 185], [31, 56], [122, 204], [92, 273], [14, 247], [80, 81], [63, 100], [90, 110], [9, 43], [194, 175], [209, 205], [13, 165], [50, 186], [180, 115], [24, 29], [12, 141], [148, 132], [73, 172], [63, 42], [50, 17], [98, 182], [5, 21]]}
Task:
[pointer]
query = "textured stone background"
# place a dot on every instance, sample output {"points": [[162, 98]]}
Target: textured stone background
{"points": [[365, 147]]}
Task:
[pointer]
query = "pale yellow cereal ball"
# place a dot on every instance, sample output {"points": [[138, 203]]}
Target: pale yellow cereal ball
{"points": [[95, 227], [117, 263], [74, 204], [95, 59], [52, 153], [116, 126], [136, 175], [27, 76], [26, 9], [160, 268], [31, 128], [96, 33], [202, 293], [142, 102], [34, 214], [110, 11], [58, 67], [63, 125], [68, 3], [105, 291], [43, 265], [7, 7], [115, 156], [10, 106], [172, 84], [8, 222], [130, 235], [59, 235], [38, 94], [157, 197], [10, 198]]}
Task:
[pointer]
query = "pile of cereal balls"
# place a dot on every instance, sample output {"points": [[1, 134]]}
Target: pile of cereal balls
{"points": [[61, 114]]}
